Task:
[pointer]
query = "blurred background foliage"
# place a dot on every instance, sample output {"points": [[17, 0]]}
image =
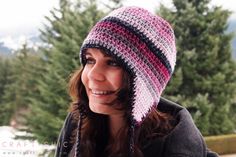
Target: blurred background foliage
{"points": [[33, 84]]}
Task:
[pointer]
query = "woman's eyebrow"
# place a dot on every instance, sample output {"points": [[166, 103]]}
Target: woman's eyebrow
{"points": [[104, 54]]}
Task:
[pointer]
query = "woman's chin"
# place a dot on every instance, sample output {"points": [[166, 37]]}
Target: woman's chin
{"points": [[101, 108]]}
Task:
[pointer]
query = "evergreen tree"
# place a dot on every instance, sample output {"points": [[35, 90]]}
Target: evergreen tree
{"points": [[204, 78], [68, 27], [5, 74], [18, 86]]}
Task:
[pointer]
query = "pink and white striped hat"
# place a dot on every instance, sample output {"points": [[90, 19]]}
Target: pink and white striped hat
{"points": [[145, 44]]}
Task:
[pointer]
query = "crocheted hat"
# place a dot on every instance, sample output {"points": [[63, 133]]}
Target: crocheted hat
{"points": [[145, 44]]}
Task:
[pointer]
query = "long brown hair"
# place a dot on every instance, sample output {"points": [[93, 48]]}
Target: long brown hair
{"points": [[95, 129]]}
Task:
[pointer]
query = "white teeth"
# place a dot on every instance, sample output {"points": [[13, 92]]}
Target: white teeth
{"points": [[101, 92]]}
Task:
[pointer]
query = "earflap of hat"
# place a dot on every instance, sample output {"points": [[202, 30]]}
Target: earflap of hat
{"points": [[143, 99]]}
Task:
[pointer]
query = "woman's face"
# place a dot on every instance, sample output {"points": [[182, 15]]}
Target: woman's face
{"points": [[102, 77]]}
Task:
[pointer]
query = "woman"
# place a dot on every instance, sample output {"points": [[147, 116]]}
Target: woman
{"points": [[128, 58]]}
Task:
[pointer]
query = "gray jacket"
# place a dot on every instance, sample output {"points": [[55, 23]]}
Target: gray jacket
{"points": [[184, 140]]}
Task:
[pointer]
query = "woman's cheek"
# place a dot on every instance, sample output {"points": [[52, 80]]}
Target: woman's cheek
{"points": [[84, 77]]}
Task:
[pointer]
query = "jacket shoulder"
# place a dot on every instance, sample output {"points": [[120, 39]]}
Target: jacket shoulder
{"points": [[168, 106], [185, 140]]}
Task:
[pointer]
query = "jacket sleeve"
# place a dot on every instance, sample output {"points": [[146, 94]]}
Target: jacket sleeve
{"points": [[211, 154], [63, 145]]}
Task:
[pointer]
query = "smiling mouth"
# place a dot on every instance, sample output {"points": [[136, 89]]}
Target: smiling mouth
{"points": [[100, 92]]}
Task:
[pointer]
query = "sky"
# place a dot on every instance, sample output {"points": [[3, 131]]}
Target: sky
{"points": [[20, 19]]}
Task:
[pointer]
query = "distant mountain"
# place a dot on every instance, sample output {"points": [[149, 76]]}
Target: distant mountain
{"points": [[232, 29], [232, 26], [4, 51], [234, 48], [35, 39]]}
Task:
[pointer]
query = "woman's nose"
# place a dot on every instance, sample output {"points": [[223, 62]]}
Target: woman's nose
{"points": [[96, 73]]}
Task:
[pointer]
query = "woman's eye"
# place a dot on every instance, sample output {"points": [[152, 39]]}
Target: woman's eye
{"points": [[113, 63], [89, 61]]}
